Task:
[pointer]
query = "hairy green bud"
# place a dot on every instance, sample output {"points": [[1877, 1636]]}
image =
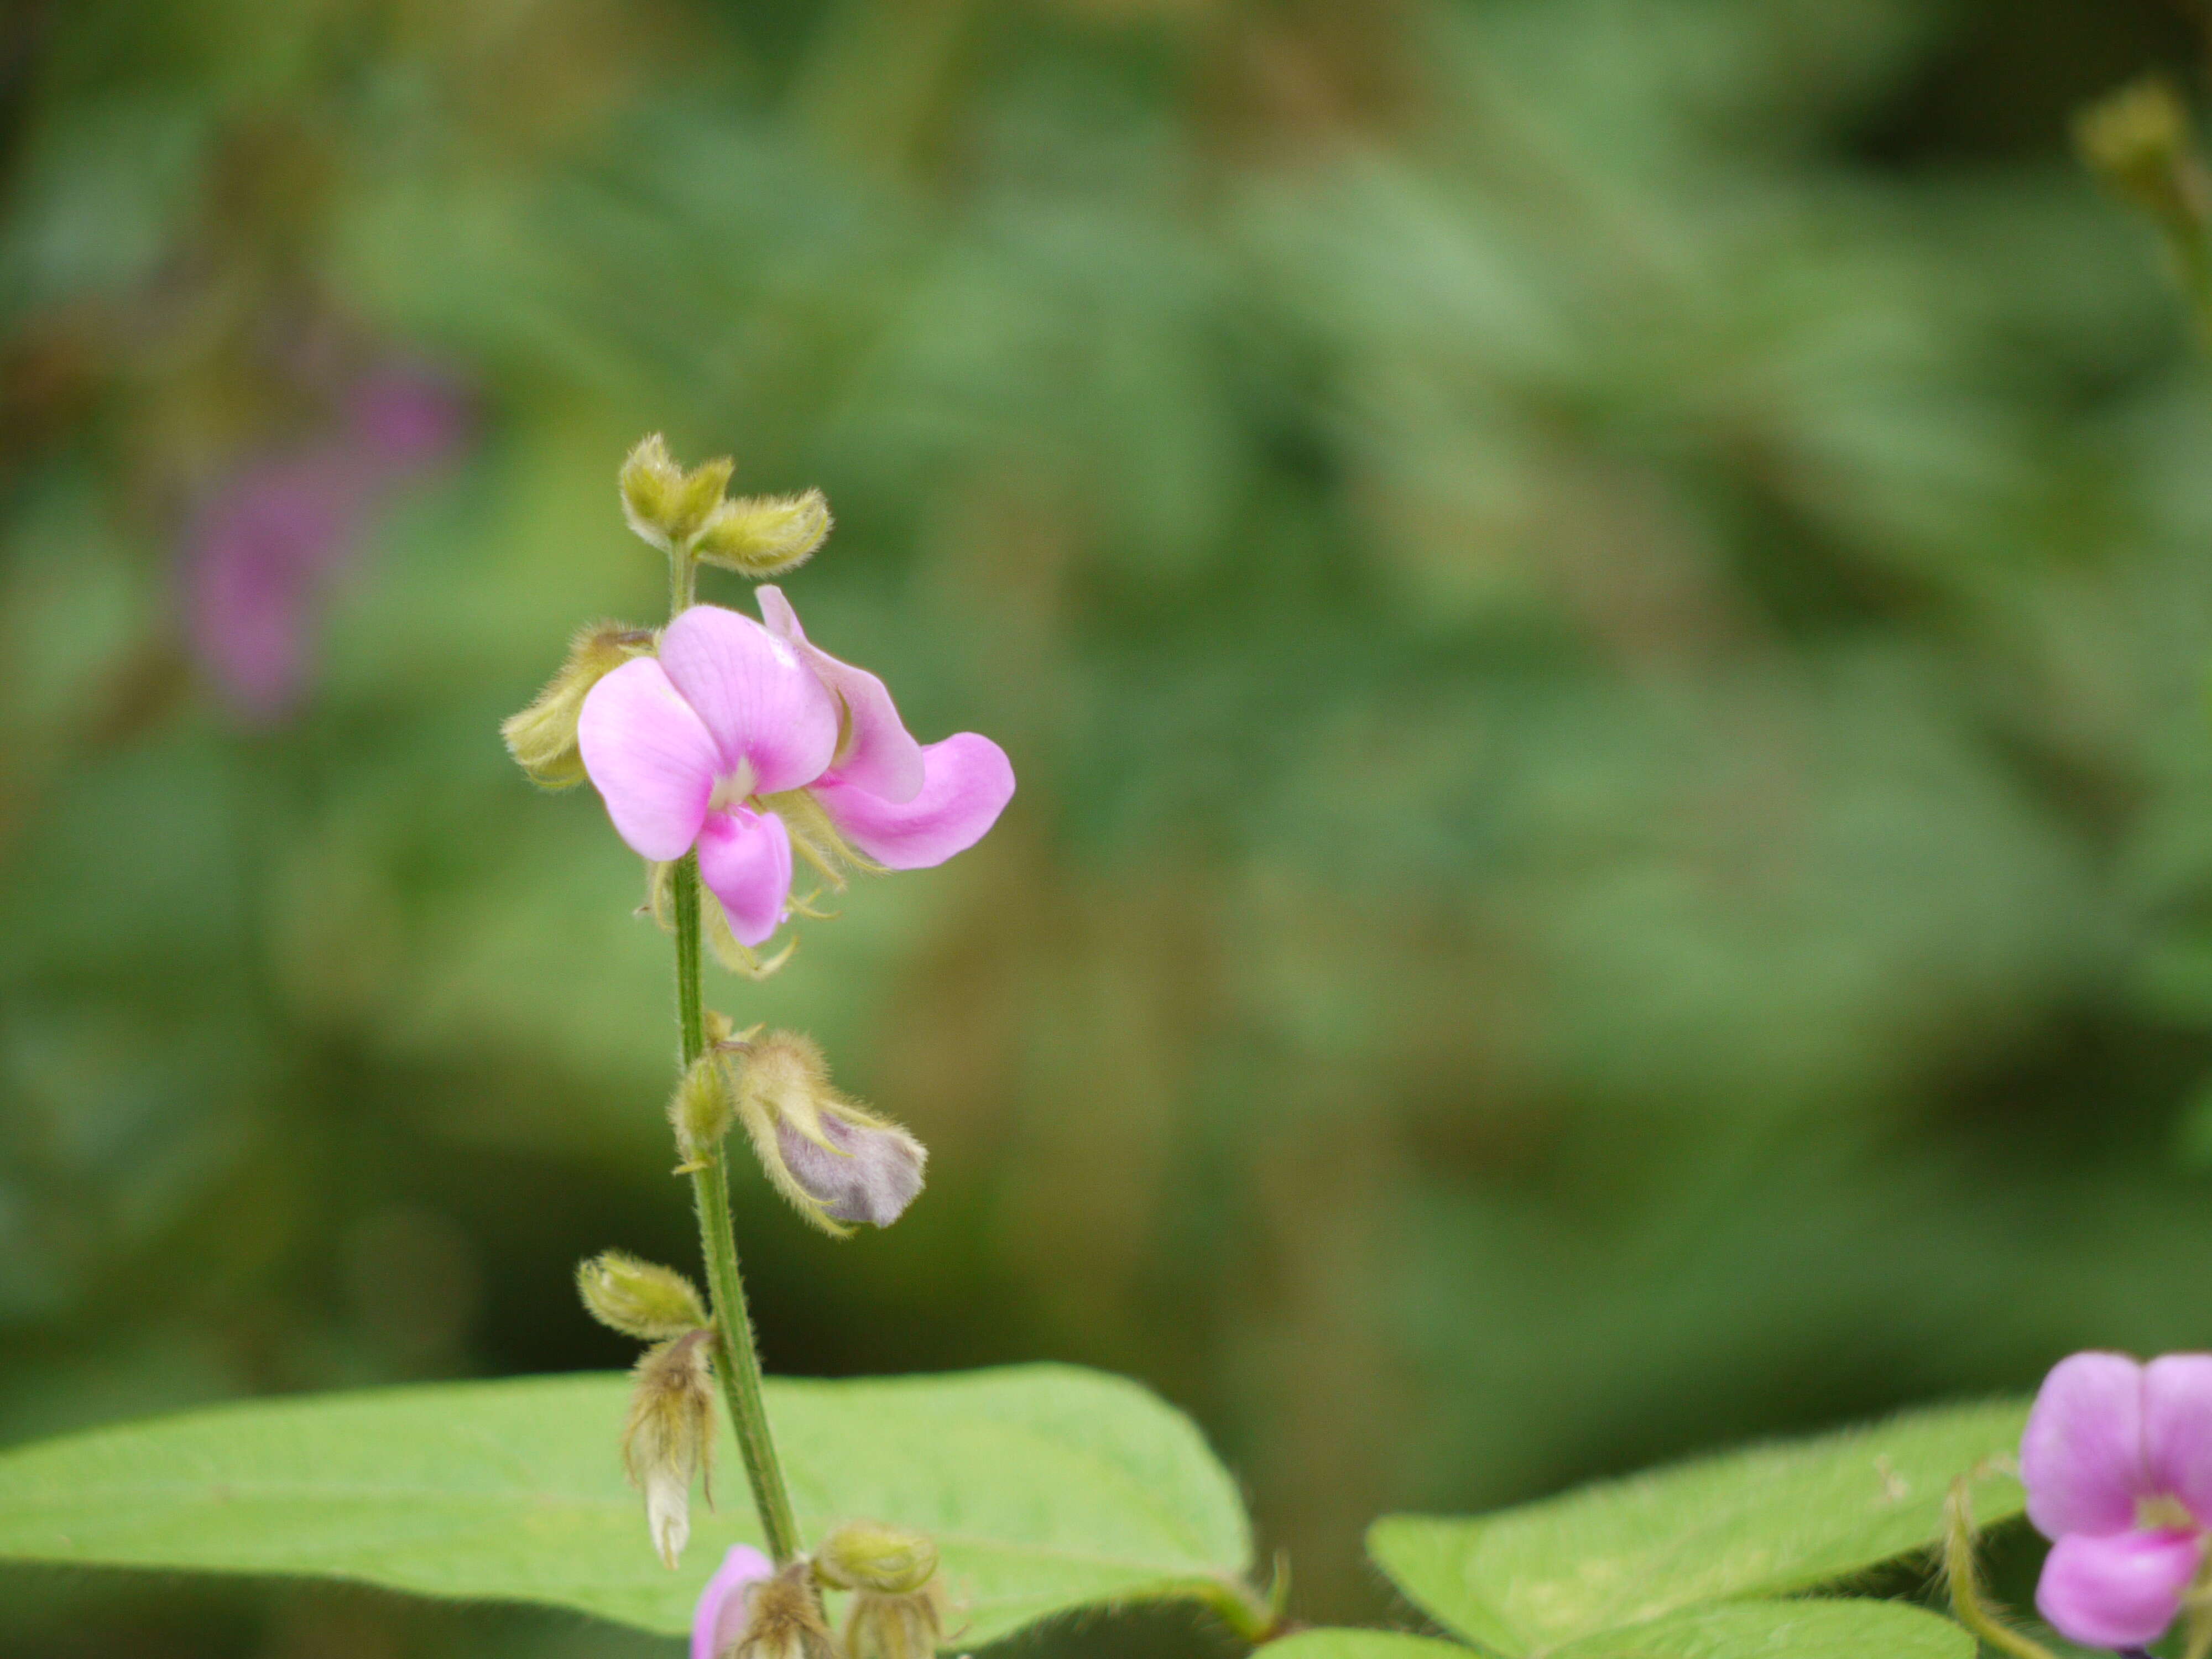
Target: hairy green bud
{"points": [[699, 498], [763, 536], [664, 504], [543, 737], [651, 482], [701, 1109], [637, 1299], [894, 1626], [870, 1555]]}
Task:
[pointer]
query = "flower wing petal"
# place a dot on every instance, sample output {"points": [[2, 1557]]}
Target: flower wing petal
{"points": [[879, 754], [763, 705], [2176, 1397], [651, 758], [719, 1620], [2081, 1457], [2120, 1591], [744, 856], [966, 783]]}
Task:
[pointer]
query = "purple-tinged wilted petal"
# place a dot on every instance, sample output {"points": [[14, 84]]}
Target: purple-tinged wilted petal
{"points": [[2177, 1395], [719, 1619], [745, 857], [650, 757], [968, 782], [2120, 1591], [874, 1172], [766, 709], [878, 753], [2081, 1457]]}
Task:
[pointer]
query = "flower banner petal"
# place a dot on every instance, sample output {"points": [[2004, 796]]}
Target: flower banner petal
{"points": [[745, 857], [764, 706], [2121, 1591], [879, 754], [968, 782], [650, 757], [2081, 1457]]}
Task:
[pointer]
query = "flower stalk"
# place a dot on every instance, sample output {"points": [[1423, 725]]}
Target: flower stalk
{"points": [[722, 747], [737, 1356]]}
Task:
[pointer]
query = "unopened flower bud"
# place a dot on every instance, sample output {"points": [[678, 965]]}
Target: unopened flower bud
{"points": [[894, 1626], [701, 495], [543, 737], [670, 1436], [637, 1299], [700, 1109], [2138, 141], [763, 536], [783, 1620], [836, 1161], [664, 504], [870, 1555], [651, 482]]}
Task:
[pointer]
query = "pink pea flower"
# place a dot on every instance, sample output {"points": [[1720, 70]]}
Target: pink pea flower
{"points": [[719, 1620], [2118, 1462], [689, 748]]}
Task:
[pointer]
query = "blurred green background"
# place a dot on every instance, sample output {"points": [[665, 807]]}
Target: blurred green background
{"points": [[1602, 607]]}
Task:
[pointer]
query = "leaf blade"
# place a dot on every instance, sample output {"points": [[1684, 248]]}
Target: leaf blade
{"points": [[1049, 1488], [1814, 1628], [1766, 1521], [1362, 1644]]}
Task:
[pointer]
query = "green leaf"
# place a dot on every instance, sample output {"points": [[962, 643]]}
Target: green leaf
{"points": [[1775, 1518], [1048, 1489], [1786, 1630], [1362, 1644], [1742, 1629]]}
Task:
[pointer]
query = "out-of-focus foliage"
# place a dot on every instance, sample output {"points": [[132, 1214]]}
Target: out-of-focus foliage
{"points": [[1601, 605]]}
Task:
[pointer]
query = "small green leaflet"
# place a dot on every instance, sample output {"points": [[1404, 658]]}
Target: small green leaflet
{"points": [[1530, 1580], [1048, 1488], [1743, 1630]]}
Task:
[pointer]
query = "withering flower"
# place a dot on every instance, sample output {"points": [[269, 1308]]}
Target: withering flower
{"points": [[836, 1161]]}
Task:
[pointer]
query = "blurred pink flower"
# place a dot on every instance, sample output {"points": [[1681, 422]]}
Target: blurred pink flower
{"points": [[260, 557], [686, 749], [2117, 1464], [719, 1620]]}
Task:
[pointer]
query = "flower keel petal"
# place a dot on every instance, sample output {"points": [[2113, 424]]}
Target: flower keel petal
{"points": [[2081, 1457], [2120, 1591], [650, 757], [744, 856], [968, 782]]}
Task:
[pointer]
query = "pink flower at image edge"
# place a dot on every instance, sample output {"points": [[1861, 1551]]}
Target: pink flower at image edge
{"points": [[2118, 1462], [683, 747]]}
